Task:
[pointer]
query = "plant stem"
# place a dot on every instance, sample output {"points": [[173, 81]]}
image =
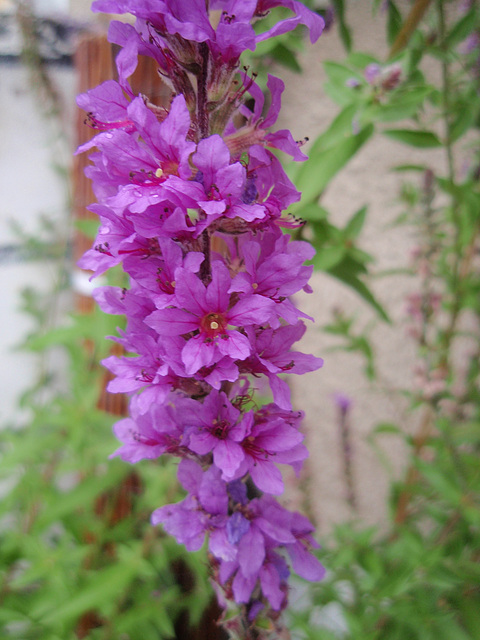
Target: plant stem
{"points": [[411, 23], [203, 128], [202, 113], [455, 283], [206, 267]]}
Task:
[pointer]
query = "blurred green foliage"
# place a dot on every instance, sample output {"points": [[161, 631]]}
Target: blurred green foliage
{"points": [[77, 549], [419, 579]]}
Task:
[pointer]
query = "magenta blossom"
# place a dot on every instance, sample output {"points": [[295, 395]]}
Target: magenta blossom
{"points": [[191, 199], [216, 428], [204, 315]]}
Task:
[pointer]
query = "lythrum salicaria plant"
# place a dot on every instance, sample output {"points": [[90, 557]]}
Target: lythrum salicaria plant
{"points": [[190, 200]]}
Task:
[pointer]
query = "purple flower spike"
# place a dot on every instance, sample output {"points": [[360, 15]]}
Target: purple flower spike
{"points": [[190, 198]]}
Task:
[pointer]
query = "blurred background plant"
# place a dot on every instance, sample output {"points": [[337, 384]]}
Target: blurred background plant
{"points": [[78, 557], [419, 578]]}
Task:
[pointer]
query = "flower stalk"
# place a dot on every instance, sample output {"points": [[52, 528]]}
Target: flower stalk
{"points": [[196, 224]]}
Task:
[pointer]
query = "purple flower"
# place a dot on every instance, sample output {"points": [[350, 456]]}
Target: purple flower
{"points": [[372, 72], [386, 78], [188, 20], [115, 235], [263, 527], [202, 510], [343, 402], [224, 183], [205, 312], [106, 107], [311, 20], [281, 140], [273, 267], [268, 441], [272, 357], [156, 273], [142, 168], [215, 428], [154, 433]]}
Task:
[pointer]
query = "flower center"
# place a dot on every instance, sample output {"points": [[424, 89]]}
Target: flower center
{"points": [[220, 429], [166, 168], [213, 324]]}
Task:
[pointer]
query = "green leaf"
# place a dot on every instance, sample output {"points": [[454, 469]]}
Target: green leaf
{"points": [[82, 496], [461, 29], [361, 60], [355, 224], [11, 615], [441, 481], [403, 103], [338, 74], [346, 276], [414, 138], [88, 227], [465, 119], [394, 22], [410, 167], [388, 428], [101, 587], [158, 608], [317, 172], [312, 212], [286, 57], [340, 128], [328, 257], [343, 28], [448, 628], [467, 433], [341, 94]]}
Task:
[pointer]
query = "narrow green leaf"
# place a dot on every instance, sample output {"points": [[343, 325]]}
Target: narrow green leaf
{"points": [[440, 481], [82, 496], [346, 276], [312, 212], [11, 615], [448, 628], [103, 586], [394, 22], [414, 138], [338, 73], [410, 167], [461, 29], [355, 224], [317, 172], [344, 30], [286, 57], [387, 428], [341, 127], [328, 257]]}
